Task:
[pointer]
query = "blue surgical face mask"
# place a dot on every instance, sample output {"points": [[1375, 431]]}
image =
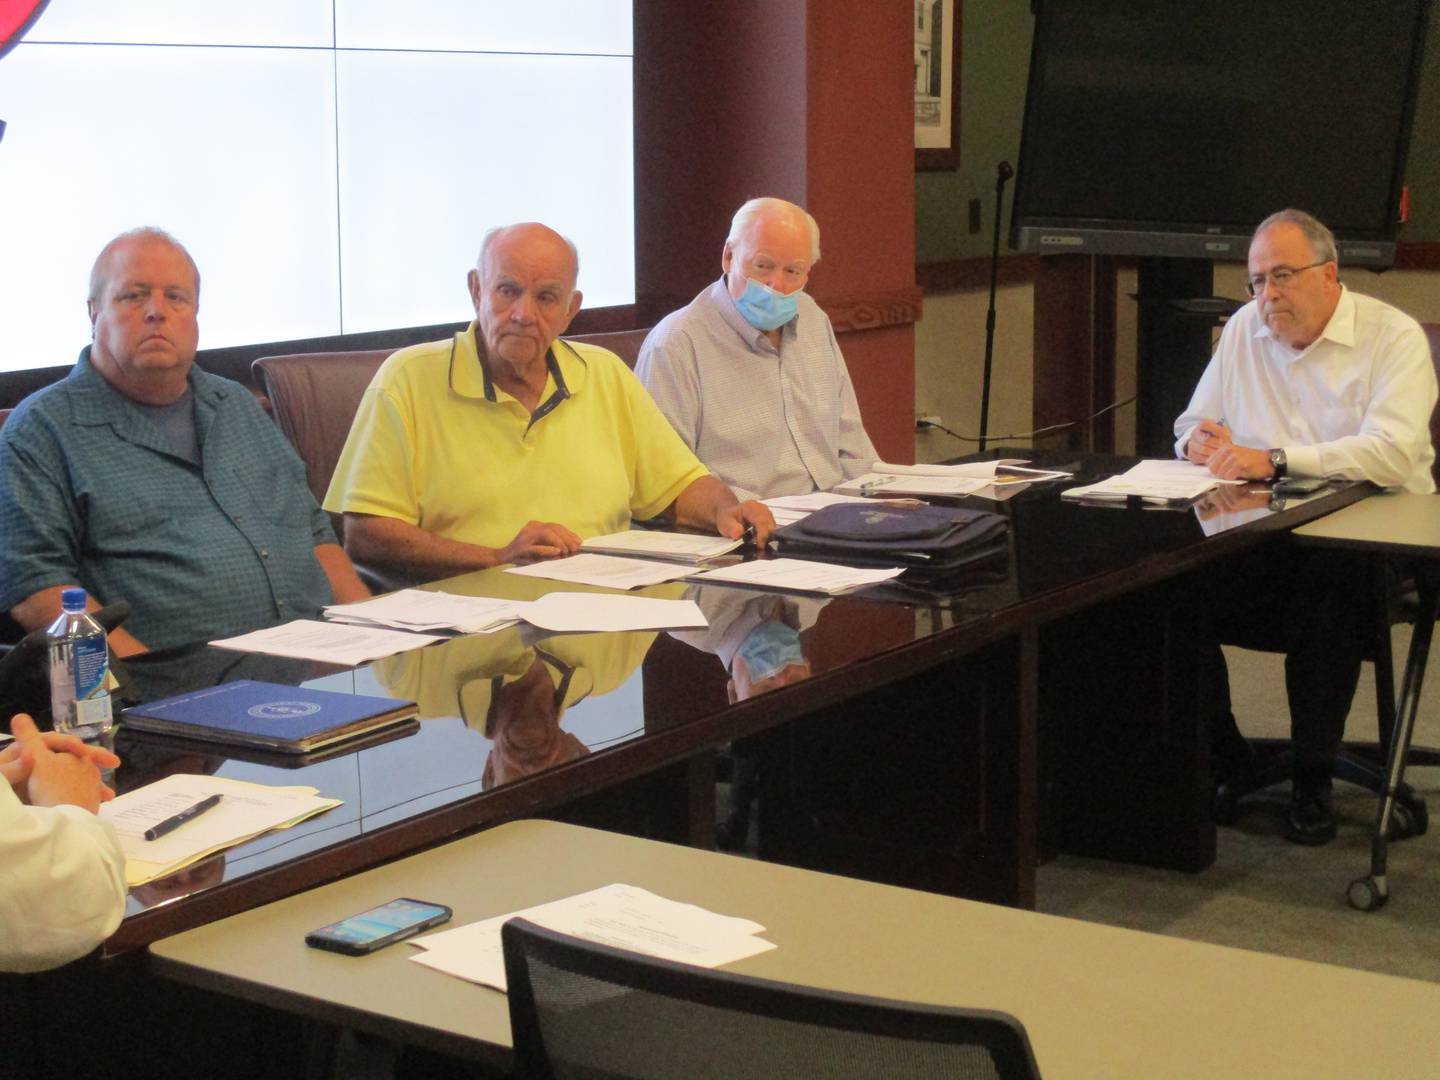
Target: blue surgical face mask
{"points": [[770, 648], [764, 308]]}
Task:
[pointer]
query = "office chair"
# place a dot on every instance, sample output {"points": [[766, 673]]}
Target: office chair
{"points": [[578, 1009], [314, 397], [1362, 764]]}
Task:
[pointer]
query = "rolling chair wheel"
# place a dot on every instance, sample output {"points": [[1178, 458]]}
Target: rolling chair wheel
{"points": [[1366, 894]]}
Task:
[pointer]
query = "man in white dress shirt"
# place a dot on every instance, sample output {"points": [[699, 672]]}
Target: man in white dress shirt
{"points": [[749, 372], [1311, 380], [62, 891]]}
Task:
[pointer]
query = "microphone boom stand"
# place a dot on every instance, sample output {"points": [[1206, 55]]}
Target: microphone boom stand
{"points": [[1003, 173]]}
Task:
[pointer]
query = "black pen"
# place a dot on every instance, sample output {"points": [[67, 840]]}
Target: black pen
{"points": [[170, 824], [747, 538]]}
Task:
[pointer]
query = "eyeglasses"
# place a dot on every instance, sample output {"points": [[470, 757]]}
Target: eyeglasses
{"points": [[1280, 277]]}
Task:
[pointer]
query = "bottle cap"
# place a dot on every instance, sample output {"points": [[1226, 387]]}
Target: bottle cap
{"points": [[72, 599]]}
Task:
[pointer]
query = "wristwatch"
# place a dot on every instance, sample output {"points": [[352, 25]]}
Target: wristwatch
{"points": [[1277, 462]]}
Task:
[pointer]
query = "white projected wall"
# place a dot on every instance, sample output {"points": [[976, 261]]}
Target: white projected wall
{"points": [[331, 164]]}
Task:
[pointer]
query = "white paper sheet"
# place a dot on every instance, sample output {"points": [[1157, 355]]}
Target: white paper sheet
{"points": [[613, 571], [1013, 470], [1172, 469], [245, 810], [623, 916], [800, 575], [424, 609], [587, 612], [655, 544], [885, 484], [331, 643], [1157, 480], [788, 509]]}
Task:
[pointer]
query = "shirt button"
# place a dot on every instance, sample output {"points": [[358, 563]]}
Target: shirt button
{"points": [[264, 554]]}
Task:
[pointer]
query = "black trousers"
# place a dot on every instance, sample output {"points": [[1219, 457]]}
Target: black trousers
{"points": [[1319, 608]]}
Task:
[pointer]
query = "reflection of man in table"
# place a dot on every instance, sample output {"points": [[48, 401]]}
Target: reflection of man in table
{"points": [[515, 686], [750, 373], [1309, 379], [508, 444], [764, 641]]}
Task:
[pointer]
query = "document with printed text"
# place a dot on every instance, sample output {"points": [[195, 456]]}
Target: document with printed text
{"points": [[622, 916]]}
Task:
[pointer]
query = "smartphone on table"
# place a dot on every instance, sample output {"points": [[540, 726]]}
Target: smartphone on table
{"points": [[1299, 485], [374, 929]]}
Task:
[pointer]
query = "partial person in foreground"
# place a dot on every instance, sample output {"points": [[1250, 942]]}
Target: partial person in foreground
{"points": [[62, 891], [509, 444], [142, 478], [1309, 379], [750, 373]]}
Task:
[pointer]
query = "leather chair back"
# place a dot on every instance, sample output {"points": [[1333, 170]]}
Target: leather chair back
{"points": [[624, 343], [314, 398], [5, 415]]}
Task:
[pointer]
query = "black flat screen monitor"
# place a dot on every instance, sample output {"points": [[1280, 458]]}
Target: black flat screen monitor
{"points": [[1173, 127]]}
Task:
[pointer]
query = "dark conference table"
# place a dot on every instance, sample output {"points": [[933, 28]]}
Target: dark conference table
{"points": [[944, 740]]}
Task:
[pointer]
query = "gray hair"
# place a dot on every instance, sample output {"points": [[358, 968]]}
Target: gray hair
{"points": [[496, 230], [747, 214], [144, 232], [1322, 240]]}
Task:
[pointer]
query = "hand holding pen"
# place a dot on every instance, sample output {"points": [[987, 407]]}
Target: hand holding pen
{"points": [[1206, 439]]}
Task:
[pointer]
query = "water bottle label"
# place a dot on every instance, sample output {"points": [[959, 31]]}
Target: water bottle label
{"points": [[92, 665]]}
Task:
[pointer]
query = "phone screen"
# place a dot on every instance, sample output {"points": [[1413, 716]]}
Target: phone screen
{"points": [[373, 929]]}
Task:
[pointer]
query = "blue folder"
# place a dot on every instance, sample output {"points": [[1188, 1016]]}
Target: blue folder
{"points": [[291, 719]]}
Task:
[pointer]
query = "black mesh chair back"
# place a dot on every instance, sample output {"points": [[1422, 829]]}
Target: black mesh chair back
{"points": [[582, 1011]]}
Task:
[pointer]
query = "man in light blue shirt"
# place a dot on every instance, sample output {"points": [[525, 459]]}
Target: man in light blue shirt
{"points": [[749, 372]]}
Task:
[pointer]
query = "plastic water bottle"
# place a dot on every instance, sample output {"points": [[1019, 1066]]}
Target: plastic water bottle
{"points": [[79, 670]]}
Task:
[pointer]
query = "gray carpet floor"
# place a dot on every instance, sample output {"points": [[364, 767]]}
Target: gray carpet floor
{"points": [[1267, 894]]}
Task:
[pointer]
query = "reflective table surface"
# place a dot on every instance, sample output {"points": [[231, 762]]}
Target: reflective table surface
{"points": [[520, 721]]}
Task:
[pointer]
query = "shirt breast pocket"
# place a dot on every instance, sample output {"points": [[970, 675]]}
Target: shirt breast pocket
{"points": [[277, 494]]}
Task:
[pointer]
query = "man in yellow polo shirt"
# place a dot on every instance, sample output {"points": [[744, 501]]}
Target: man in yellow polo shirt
{"points": [[508, 445]]}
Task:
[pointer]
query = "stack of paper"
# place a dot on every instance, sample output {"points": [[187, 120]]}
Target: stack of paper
{"points": [[886, 484], [244, 811], [689, 548], [421, 609], [331, 643], [1162, 480], [967, 478], [622, 916], [788, 509], [799, 575], [611, 571]]}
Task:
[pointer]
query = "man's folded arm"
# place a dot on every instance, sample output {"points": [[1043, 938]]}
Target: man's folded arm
{"points": [[374, 540], [345, 583], [41, 608], [708, 504]]}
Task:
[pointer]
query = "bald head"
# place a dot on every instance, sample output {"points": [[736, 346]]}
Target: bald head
{"points": [[523, 289], [530, 237], [100, 270], [144, 295]]}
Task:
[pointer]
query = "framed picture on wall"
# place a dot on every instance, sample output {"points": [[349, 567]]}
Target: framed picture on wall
{"points": [[937, 83]]}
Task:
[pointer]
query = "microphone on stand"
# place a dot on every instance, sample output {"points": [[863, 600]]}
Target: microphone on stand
{"points": [[1003, 173]]}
